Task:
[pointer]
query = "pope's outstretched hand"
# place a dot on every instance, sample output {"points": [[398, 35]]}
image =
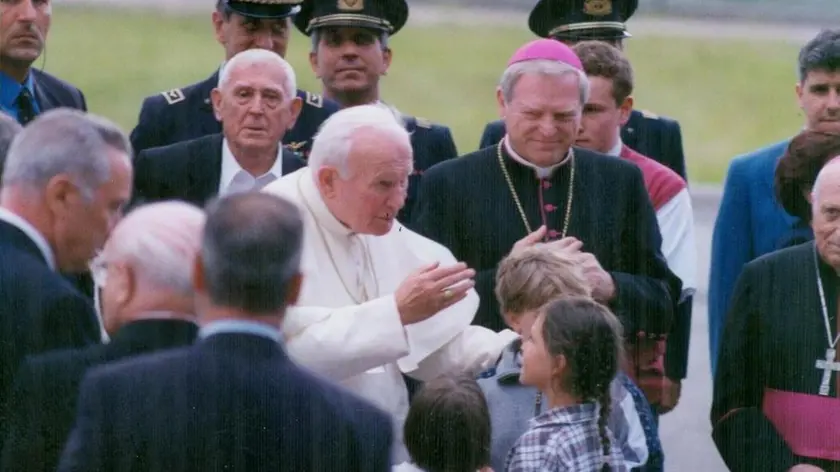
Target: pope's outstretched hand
{"points": [[431, 289]]}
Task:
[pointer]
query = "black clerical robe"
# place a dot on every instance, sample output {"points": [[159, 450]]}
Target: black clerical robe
{"points": [[466, 204], [766, 414]]}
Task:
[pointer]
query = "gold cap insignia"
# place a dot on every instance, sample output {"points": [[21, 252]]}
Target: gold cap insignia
{"points": [[351, 5], [597, 7]]}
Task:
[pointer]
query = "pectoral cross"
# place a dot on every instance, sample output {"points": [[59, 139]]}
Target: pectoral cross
{"points": [[828, 366]]}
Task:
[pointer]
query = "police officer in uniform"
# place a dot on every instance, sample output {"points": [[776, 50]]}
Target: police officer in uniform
{"points": [[571, 21], [350, 54], [186, 113]]}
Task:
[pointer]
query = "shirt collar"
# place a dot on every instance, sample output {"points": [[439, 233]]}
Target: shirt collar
{"points": [[240, 327], [315, 203], [10, 89], [566, 415], [616, 150], [231, 167], [542, 172], [32, 233]]}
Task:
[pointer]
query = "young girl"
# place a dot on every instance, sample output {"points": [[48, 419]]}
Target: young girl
{"points": [[571, 356]]}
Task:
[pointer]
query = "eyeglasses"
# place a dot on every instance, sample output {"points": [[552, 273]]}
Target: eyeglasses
{"points": [[99, 270]]}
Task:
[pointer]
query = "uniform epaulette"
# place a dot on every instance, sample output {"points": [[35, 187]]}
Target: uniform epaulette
{"points": [[649, 114], [423, 123], [173, 96], [314, 100]]}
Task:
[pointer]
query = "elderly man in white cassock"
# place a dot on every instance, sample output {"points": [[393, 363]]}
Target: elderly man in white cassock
{"points": [[378, 300]]}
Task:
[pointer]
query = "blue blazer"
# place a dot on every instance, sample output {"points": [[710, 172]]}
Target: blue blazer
{"points": [[749, 224], [232, 402]]}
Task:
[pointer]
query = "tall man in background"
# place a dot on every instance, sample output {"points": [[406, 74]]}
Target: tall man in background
{"points": [[187, 113], [750, 221], [571, 21], [26, 92], [351, 53]]}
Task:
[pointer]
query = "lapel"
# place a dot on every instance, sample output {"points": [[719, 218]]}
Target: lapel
{"points": [[45, 98], [15, 238], [204, 168]]}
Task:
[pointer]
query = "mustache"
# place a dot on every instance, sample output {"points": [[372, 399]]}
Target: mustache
{"points": [[27, 29]]}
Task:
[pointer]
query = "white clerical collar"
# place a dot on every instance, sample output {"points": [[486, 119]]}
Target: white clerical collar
{"points": [[616, 150], [542, 172], [32, 233], [231, 168], [312, 196]]}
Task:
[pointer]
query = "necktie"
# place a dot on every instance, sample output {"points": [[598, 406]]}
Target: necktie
{"points": [[26, 107]]}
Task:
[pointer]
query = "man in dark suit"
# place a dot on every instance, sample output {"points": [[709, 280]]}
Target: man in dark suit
{"points": [[25, 92], [145, 272], [234, 401], [66, 179], [571, 21], [351, 54], [247, 155], [187, 113]]}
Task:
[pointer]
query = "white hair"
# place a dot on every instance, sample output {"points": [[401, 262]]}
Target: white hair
{"points": [[65, 141], [331, 146], [160, 241], [545, 67], [260, 56]]}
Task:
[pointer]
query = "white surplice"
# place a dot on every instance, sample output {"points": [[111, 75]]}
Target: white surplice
{"points": [[346, 325]]}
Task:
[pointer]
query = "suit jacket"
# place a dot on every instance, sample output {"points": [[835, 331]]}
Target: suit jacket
{"points": [[43, 402], [52, 92], [432, 144], [190, 171], [657, 137], [39, 309], [749, 224], [187, 113], [232, 402]]}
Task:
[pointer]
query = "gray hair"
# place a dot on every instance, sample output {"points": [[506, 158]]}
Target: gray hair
{"points": [[251, 250], [315, 37], [9, 128], [513, 73], [260, 56], [161, 242], [331, 146], [65, 141]]}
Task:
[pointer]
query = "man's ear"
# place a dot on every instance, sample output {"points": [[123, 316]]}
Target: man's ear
{"points": [[216, 98], [327, 177], [293, 289], [387, 56], [500, 102], [199, 283], [61, 195], [625, 110]]}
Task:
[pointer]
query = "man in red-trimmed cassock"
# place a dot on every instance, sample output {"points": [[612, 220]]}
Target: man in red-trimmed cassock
{"points": [[776, 399], [534, 186]]}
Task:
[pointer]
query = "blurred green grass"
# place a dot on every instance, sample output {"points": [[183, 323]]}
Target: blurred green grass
{"points": [[729, 96]]}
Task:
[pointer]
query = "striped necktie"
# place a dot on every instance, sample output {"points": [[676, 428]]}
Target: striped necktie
{"points": [[26, 106]]}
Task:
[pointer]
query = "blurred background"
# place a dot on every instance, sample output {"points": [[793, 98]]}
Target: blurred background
{"points": [[726, 69]]}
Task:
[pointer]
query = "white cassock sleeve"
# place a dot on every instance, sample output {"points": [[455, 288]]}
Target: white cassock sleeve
{"points": [[341, 343], [676, 223], [473, 351]]}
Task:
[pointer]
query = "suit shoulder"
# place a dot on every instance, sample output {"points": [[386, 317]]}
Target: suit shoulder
{"points": [[178, 148], [180, 97], [52, 81], [761, 156], [317, 101], [136, 366], [655, 121], [781, 259]]}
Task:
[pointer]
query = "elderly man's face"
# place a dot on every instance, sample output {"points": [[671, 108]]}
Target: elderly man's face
{"points": [[349, 60], [543, 117], [254, 108], [826, 215], [24, 25], [367, 201], [238, 33], [819, 98], [83, 226]]}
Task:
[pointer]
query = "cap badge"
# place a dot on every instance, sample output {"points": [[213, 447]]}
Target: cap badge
{"points": [[596, 7], [351, 5]]}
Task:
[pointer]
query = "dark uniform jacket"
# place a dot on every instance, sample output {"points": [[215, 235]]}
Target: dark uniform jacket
{"points": [[187, 113]]}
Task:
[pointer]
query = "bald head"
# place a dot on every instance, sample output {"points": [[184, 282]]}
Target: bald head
{"points": [[827, 178], [160, 241], [825, 220]]}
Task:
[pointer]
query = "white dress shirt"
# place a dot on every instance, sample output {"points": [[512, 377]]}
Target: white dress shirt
{"points": [[236, 179]]}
